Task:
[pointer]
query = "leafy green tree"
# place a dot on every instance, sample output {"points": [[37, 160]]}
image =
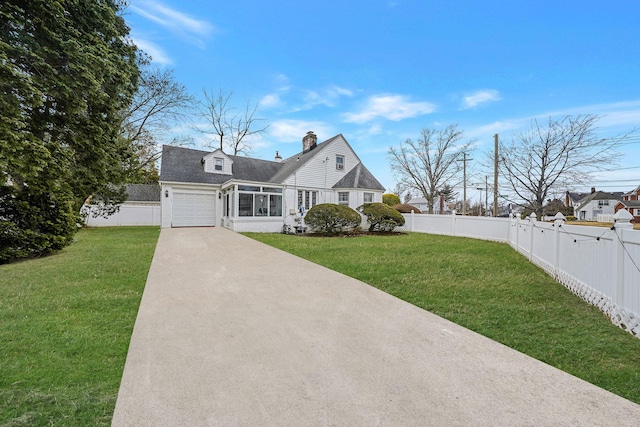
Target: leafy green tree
{"points": [[391, 199], [67, 72]]}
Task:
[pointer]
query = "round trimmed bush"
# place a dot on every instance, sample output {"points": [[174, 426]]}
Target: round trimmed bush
{"points": [[331, 218], [406, 208], [391, 199], [381, 217]]}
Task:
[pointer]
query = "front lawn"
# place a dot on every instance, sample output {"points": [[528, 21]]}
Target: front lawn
{"points": [[66, 321], [489, 288]]}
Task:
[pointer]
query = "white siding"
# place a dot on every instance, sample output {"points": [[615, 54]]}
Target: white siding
{"points": [[210, 161], [320, 171]]}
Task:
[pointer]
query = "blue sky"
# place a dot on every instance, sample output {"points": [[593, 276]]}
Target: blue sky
{"points": [[380, 71]]}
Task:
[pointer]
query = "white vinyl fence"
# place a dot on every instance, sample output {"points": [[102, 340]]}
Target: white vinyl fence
{"points": [[599, 264], [127, 214]]}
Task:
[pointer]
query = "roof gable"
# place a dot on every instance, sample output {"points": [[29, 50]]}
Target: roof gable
{"points": [[359, 177]]}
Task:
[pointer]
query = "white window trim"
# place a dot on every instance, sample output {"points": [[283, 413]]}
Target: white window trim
{"points": [[340, 165]]}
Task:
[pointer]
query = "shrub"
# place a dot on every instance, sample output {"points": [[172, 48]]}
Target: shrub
{"points": [[332, 218], [381, 217], [390, 199], [406, 208]]}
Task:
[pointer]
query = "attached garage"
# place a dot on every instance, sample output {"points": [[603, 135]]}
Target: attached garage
{"points": [[193, 209]]}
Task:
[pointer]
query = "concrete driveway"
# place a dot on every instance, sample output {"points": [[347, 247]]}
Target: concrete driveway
{"points": [[234, 332]]}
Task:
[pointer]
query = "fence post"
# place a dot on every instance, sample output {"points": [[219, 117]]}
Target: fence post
{"points": [[453, 222], [622, 222], [559, 220], [532, 222], [411, 223]]}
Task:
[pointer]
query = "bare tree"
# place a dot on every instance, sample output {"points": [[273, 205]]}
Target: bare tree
{"points": [[553, 157], [230, 126], [159, 104], [429, 163]]}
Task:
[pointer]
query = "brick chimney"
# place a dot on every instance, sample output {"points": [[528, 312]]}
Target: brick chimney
{"points": [[309, 142], [278, 157], [593, 190]]}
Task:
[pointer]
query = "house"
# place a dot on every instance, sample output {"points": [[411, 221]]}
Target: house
{"points": [[439, 205], [420, 203], [142, 207], [208, 188], [596, 203], [631, 202], [572, 199]]}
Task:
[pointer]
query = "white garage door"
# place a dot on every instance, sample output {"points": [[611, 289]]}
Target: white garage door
{"points": [[193, 210]]}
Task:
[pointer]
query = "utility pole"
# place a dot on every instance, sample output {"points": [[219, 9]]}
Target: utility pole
{"points": [[495, 177], [464, 180], [486, 193]]}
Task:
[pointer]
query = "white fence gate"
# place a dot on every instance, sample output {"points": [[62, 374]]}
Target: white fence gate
{"points": [[601, 265]]}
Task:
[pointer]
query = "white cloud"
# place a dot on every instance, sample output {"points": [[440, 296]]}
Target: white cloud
{"points": [[390, 107], [294, 130], [270, 100], [176, 22], [157, 54], [328, 96], [479, 97]]}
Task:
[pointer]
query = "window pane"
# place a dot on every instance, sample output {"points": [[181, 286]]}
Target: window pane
{"points": [[339, 162], [245, 204], [306, 199], [275, 205], [271, 190], [218, 164], [249, 188], [261, 205], [343, 198], [314, 198], [368, 197]]}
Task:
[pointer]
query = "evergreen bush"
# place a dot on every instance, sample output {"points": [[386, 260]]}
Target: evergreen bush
{"points": [[381, 217], [331, 218]]}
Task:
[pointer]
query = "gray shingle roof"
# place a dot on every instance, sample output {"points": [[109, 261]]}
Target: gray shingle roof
{"points": [[143, 192], [598, 195], [359, 177], [181, 164]]}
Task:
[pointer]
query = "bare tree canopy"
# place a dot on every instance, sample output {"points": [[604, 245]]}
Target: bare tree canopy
{"points": [[230, 125], [555, 157], [429, 163], [159, 104]]}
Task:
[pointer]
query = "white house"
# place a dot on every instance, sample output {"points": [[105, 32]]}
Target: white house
{"points": [[202, 188], [596, 203]]}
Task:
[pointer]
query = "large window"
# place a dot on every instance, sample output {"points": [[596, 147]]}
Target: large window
{"points": [[368, 198], [603, 203], [219, 163], [307, 199], [259, 201], [343, 198]]}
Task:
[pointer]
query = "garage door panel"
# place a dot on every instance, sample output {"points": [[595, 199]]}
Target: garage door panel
{"points": [[193, 210]]}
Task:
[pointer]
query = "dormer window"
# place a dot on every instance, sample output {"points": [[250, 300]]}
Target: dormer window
{"points": [[339, 162], [218, 165]]}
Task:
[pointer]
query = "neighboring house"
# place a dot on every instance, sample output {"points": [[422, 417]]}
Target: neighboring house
{"points": [[631, 202], [596, 203], [572, 199], [142, 207], [420, 203], [207, 188]]}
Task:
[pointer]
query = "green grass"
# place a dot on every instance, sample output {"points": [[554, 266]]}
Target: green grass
{"points": [[491, 289], [65, 325]]}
